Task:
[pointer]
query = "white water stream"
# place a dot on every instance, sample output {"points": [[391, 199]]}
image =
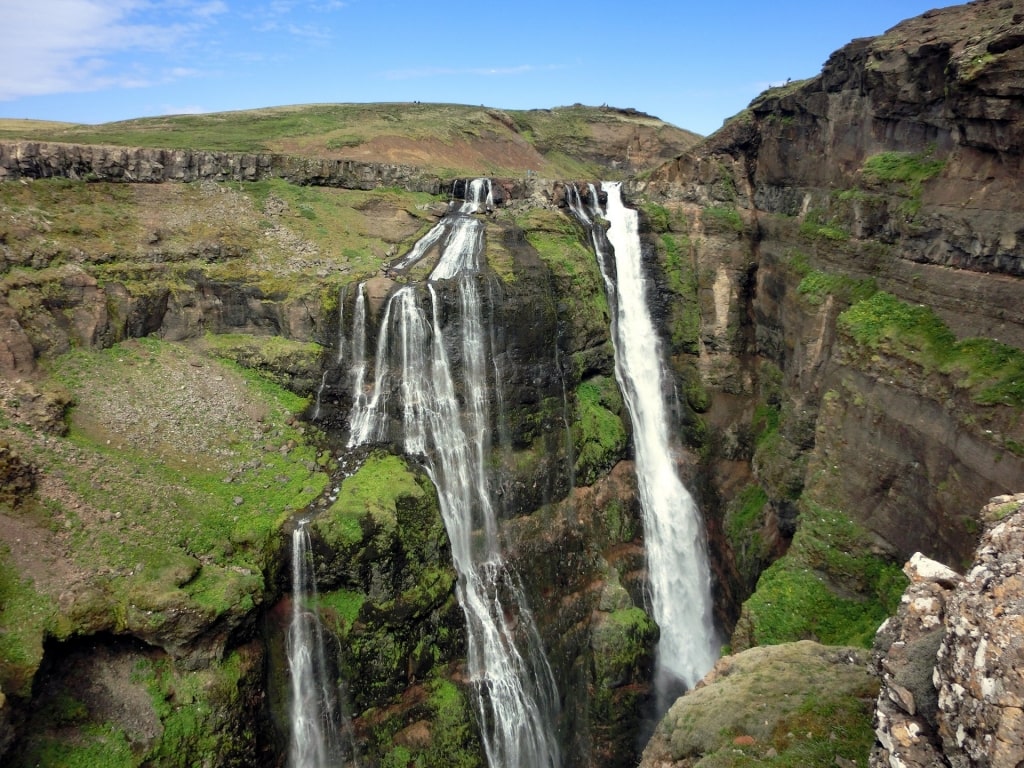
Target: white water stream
{"points": [[678, 571], [514, 690], [315, 711]]}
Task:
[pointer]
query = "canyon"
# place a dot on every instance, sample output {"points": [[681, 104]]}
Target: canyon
{"points": [[835, 278]]}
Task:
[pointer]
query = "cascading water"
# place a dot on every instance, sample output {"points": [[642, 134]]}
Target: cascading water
{"points": [[316, 717], [514, 689], [674, 537]]}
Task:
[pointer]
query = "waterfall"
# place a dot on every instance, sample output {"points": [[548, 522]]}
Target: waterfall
{"points": [[315, 708], [674, 537], [513, 686]]}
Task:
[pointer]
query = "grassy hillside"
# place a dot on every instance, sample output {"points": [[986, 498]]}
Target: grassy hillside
{"points": [[449, 139]]}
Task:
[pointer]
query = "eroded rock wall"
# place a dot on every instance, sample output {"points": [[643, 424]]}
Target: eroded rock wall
{"points": [[896, 171]]}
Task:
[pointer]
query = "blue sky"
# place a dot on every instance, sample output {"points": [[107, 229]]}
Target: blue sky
{"points": [[692, 64]]}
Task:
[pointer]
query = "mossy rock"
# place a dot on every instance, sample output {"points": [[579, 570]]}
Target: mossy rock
{"points": [[386, 579], [623, 642], [805, 703], [831, 586], [598, 431], [440, 732]]}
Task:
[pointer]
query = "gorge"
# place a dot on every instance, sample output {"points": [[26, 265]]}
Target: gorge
{"points": [[202, 348]]}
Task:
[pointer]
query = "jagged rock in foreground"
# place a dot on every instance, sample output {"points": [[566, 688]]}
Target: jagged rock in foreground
{"points": [[800, 699], [950, 660]]}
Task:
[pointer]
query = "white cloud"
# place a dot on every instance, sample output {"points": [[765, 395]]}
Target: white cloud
{"points": [[62, 46]]}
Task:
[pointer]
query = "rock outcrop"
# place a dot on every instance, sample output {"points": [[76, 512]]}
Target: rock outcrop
{"points": [[788, 700], [87, 162], [950, 660]]}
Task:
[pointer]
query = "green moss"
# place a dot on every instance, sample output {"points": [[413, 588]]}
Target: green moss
{"points": [[993, 372], [191, 707], [95, 746], [816, 226], [912, 169], [340, 608], [598, 431], [721, 218], [277, 359], [681, 276], [371, 494], [829, 586], [623, 643], [816, 286], [25, 618], [455, 742]]}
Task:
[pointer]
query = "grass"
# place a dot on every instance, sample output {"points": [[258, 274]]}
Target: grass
{"points": [[815, 226], [829, 586], [912, 169], [558, 139], [174, 506], [816, 286], [25, 618], [722, 218], [993, 372]]}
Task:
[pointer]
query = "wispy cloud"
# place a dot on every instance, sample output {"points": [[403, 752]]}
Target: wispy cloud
{"points": [[63, 46], [422, 72], [279, 17]]}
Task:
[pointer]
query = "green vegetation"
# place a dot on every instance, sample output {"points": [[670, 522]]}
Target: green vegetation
{"points": [[95, 746], [816, 286], [561, 245], [372, 492], [599, 434], [682, 279], [623, 645], [744, 523], [278, 359], [816, 226], [25, 618], [558, 139], [800, 705], [722, 219], [191, 708], [911, 169], [451, 741], [993, 372], [171, 497], [829, 586]]}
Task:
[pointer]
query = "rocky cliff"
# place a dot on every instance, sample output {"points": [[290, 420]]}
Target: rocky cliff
{"points": [[949, 660], [849, 248]]}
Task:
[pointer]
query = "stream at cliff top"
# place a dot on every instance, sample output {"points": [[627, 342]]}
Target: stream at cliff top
{"points": [[513, 687], [679, 574]]}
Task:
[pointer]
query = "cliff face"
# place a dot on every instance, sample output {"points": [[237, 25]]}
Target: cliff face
{"points": [[948, 661], [856, 237]]}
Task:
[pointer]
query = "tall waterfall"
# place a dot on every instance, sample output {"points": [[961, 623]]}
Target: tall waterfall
{"points": [[678, 571], [513, 687], [316, 717]]}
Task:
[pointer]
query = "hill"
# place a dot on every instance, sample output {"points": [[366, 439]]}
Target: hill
{"points": [[446, 139]]}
